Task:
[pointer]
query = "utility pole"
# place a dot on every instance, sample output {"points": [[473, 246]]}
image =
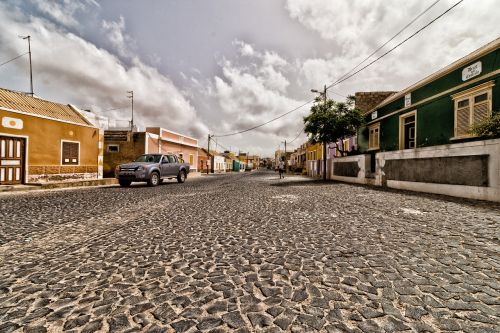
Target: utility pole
{"points": [[324, 143], [31, 68], [208, 152], [131, 96], [285, 155]]}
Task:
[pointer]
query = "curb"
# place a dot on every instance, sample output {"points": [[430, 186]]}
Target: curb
{"points": [[49, 186]]}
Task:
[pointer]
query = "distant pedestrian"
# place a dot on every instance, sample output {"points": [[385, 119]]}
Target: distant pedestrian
{"points": [[281, 169]]}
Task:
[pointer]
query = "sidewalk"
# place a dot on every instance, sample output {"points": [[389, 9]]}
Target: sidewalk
{"points": [[47, 186]]}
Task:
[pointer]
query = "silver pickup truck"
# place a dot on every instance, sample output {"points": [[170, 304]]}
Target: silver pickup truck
{"points": [[153, 169]]}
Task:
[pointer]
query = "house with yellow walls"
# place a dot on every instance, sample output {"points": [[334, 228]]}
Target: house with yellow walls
{"points": [[314, 156], [44, 141]]}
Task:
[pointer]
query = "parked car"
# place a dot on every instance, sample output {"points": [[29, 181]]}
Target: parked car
{"points": [[153, 169]]}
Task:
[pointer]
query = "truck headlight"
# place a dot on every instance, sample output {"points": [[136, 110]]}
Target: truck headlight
{"points": [[141, 168]]}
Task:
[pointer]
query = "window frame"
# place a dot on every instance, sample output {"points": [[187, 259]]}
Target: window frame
{"points": [[469, 95], [402, 129], [370, 128], [113, 145], [62, 153]]}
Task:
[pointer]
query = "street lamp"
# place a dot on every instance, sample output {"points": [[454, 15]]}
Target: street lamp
{"points": [[322, 94]]}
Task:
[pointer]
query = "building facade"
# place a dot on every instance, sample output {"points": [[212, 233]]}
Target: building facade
{"points": [[419, 139], [125, 146], [314, 157], [44, 141], [438, 110]]}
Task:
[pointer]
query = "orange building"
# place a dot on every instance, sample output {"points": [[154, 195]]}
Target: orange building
{"points": [[45, 141], [124, 146]]}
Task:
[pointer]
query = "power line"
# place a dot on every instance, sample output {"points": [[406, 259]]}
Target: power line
{"points": [[267, 122], [342, 79], [391, 39], [19, 56], [218, 144], [395, 47], [120, 108], [298, 134]]}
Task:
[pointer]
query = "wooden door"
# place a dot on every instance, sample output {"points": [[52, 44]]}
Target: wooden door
{"points": [[11, 160]]}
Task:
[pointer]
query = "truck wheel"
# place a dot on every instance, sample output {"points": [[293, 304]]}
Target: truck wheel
{"points": [[154, 179], [124, 183], [181, 177]]}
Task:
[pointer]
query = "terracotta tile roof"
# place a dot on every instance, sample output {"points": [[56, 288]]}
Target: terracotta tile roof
{"points": [[32, 105]]}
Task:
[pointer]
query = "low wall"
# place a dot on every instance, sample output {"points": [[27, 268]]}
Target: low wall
{"points": [[352, 169], [469, 170]]}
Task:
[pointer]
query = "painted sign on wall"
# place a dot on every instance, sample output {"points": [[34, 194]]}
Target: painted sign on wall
{"points": [[471, 71], [407, 100], [9, 122]]}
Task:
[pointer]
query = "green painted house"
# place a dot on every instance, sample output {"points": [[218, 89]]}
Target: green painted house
{"points": [[439, 109]]}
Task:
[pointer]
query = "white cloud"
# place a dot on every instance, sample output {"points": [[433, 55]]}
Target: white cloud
{"points": [[115, 32], [249, 95], [73, 70], [358, 27], [63, 12]]}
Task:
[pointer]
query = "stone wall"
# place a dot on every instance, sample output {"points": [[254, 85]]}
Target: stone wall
{"points": [[453, 170], [365, 101]]}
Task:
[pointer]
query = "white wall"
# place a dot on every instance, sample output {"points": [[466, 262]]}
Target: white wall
{"points": [[484, 147]]}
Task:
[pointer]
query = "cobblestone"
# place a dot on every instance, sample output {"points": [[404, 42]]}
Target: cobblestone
{"points": [[247, 253]]}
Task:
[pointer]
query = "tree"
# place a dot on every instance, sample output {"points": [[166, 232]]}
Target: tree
{"points": [[331, 121], [488, 128]]}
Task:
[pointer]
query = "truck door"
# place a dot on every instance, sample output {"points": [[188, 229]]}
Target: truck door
{"points": [[173, 165], [164, 166]]}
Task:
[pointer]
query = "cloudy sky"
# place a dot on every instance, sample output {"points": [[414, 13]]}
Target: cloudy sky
{"points": [[219, 66]]}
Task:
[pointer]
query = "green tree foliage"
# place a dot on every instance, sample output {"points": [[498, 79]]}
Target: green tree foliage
{"points": [[489, 128], [332, 121]]}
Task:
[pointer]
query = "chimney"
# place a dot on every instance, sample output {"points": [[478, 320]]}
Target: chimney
{"points": [[365, 101]]}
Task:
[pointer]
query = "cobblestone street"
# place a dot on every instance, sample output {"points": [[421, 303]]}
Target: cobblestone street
{"points": [[247, 253]]}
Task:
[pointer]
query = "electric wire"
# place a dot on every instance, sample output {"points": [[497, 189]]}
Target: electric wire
{"points": [[363, 68], [19, 56], [391, 39], [395, 47], [267, 122]]}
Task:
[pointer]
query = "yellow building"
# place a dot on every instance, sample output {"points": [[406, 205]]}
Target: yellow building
{"points": [[45, 141], [314, 155]]}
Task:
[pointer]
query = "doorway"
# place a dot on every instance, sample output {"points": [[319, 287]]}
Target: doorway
{"points": [[11, 160]]}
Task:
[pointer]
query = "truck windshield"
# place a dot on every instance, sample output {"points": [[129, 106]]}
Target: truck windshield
{"points": [[149, 158]]}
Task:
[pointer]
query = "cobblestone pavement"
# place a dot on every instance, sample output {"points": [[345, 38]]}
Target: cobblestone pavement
{"points": [[247, 253]]}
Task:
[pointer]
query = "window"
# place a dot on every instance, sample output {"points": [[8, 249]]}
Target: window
{"points": [[113, 148], [191, 159], [346, 145], [70, 153], [472, 106], [171, 158], [374, 136]]}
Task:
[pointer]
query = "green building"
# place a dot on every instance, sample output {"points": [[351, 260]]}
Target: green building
{"points": [[439, 109], [419, 139]]}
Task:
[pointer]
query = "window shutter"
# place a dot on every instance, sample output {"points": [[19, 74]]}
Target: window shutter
{"points": [[463, 120], [70, 153], [480, 112], [66, 151]]}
